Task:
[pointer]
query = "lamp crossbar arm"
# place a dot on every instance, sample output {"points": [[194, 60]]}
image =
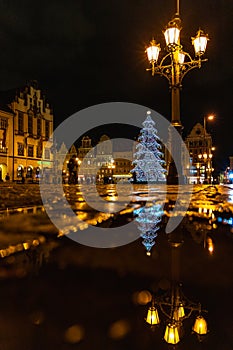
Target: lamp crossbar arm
{"points": [[188, 66], [166, 69]]}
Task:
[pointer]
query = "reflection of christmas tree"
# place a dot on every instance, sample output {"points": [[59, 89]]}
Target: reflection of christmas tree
{"points": [[148, 218], [147, 159]]}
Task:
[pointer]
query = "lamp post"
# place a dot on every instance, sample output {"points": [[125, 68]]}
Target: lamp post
{"points": [[206, 118], [174, 66], [78, 162], [206, 159]]}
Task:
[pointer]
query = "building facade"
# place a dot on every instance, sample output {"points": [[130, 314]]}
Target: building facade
{"points": [[100, 163], [199, 166], [26, 126]]}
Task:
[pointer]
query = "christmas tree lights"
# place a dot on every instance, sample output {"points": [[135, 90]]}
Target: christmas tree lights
{"points": [[147, 158]]}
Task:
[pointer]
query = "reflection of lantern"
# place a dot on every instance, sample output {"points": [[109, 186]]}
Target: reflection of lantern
{"points": [[181, 311], [200, 325], [171, 335], [152, 316]]}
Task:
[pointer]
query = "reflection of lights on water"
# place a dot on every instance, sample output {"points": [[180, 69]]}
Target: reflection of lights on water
{"points": [[211, 249], [74, 334], [12, 249], [35, 242], [119, 329], [37, 317], [207, 211], [226, 221], [142, 298], [210, 245], [26, 245]]}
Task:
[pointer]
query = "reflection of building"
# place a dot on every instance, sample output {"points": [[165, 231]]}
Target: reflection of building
{"points": [[199, 166], [26, 124]]}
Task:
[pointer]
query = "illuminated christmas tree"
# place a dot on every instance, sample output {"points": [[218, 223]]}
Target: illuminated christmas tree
{"points": [[147, 158]]}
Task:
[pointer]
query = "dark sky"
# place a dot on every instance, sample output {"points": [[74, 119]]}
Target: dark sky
{"points": [[88, 52]]}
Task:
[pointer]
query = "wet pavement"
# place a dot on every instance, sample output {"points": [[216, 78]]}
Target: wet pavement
{"points": [[56, 293]]}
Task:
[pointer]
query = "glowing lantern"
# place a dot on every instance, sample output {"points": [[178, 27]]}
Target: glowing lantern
{"points": [[153, 51], [200, 43]]}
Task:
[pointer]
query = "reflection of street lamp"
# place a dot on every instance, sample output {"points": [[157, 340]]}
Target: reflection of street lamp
{"points": [[175, 306], [174, 66]]}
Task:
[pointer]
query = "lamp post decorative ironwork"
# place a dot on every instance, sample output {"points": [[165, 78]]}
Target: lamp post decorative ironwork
{"points": [[174, 66]]}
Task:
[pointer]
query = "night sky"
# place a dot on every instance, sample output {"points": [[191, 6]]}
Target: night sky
{"points": [[88, 52]]}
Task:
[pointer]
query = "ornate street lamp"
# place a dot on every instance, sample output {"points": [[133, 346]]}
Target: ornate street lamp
{"points": [[174, 66]]}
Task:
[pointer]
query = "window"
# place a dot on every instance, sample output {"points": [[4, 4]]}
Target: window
{"points": [[47, 153], [20, 123], [3, 123], [30, 151], [20, 149], [38, 126], [47, 129], [30, 124], [39, 151]]}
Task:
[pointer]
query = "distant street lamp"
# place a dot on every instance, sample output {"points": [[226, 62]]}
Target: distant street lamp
{"points": [[174, 66], [206, 118], [206, 158], [78, 162]]}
